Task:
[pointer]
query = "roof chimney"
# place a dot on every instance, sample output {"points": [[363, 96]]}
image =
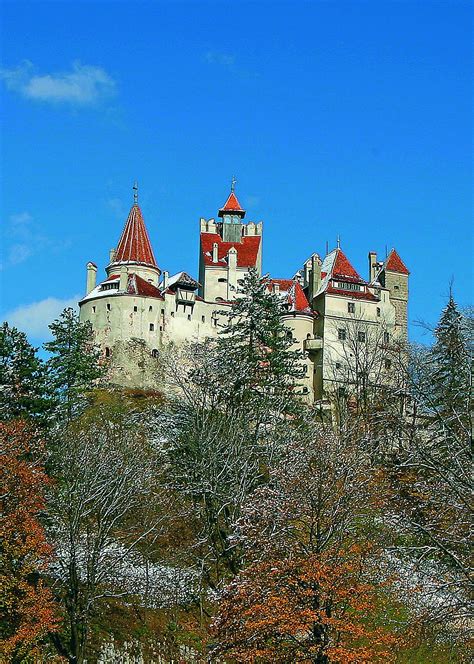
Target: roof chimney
{"points": [[91, 277], [372, 265], [215, 254], [123, 278]]}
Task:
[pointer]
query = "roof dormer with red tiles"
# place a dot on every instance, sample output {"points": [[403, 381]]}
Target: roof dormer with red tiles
{"points": [[229, 247]]}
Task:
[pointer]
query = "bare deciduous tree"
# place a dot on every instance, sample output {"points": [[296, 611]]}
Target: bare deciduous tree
{"points": [[106, 501]]}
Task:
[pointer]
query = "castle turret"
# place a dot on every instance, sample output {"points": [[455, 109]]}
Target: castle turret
{"points": [[232, 215], [394, 276], [134, 248], [229, 248]]}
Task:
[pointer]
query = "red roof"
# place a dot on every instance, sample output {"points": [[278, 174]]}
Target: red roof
{"points": [[134, 245], [296, 296], [342, 267], [232, 205], [395, 264], [138, 286], [247, 250]]}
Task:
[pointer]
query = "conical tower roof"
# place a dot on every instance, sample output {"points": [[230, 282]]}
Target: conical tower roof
{"points": [[134, 245], [232, 205]]}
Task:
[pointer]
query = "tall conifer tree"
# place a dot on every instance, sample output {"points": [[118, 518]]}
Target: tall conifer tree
{"points": [[74, 365], [22, 378]]}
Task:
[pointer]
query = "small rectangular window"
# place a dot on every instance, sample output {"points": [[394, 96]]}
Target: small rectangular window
{"points": [[386, 337], [135, 309], [93, 310], [189, 316], [150, 308], [172, 314], [341, 334], [203, 319], [108, 307], [338, 365], [388, 364], [152, 327], [378, 311], [361, 336], [351, 307]]}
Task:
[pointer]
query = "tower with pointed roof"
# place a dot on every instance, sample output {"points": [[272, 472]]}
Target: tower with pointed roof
{"points": [[393, 275], [229, 247], [134, 252]]}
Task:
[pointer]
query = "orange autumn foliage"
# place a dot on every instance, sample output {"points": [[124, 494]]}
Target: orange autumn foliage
{"points": [[306, 609], [27, 609]]}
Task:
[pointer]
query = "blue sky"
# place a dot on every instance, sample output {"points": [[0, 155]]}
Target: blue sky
{"points": [[349, 118]]}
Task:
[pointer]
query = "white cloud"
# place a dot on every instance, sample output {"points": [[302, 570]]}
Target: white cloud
{"points": [[84, 84], [34, 318], [22, 238], [217, 58], [20, 219]]}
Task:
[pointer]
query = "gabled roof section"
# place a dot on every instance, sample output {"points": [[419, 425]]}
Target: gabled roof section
{"points": [[395, 264], [342, 267], [182, 279], [136, 285], [134, 245], [232, 205], [292, 294], [336, 270], [247, 249]]}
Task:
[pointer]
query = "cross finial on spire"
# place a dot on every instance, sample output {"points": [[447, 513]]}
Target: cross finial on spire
{"points": [[232, 184], [338, 242], [135, 192]]}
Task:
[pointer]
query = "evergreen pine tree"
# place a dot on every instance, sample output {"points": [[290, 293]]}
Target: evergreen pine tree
{"points": [[450, 366], [74, 365], [255, 366], [22, 378]]}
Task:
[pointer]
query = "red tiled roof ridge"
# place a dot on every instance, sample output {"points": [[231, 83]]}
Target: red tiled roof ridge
{"points": [[134, 245], [395, 264]]}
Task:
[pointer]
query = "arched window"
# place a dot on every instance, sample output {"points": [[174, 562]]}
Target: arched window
{"points": [[154, 352]]}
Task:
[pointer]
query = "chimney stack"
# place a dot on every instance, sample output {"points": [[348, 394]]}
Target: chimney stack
{"points": [[315, 276], [166, 276], [91, 277], [372, 265], [215, 254], [123, 278]]}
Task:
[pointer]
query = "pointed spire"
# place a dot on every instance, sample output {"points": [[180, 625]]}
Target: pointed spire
{"points": [[394, 263], [134, 245], [232, 205]]}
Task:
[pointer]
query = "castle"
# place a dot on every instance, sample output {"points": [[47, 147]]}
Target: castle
{"points": [[325, 304]]}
